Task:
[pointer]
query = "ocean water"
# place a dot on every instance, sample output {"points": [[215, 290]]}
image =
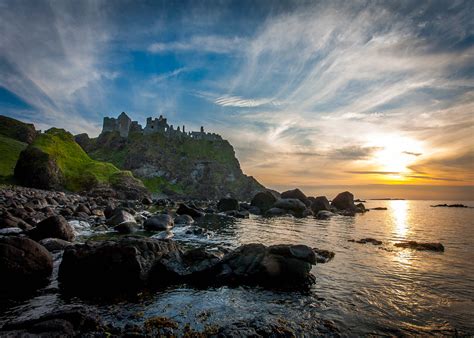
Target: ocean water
{"points": [[365, 289]]}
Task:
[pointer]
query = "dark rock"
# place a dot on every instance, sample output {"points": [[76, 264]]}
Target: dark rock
{"points": [[10, 231], [113, 266], [324, 214], [52, 227], [378, 208], [366, 240], [120, 216], [147, 201], [275, 212], [38, 169], [83, 208], [323, 256], [263, 200], [255, 210], [360, 208], [421, 246], [292, 204], [128, 187], [450, 206], [159, 223], [23, 264], [184, 209], [183, 219], [7, 220], [344, 201], [320, 203], [238, 214], [54, 244], [296, 194], [226, 204], [126, 227]]}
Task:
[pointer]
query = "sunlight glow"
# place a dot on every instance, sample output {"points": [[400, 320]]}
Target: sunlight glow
{"points": [[399, 214]]}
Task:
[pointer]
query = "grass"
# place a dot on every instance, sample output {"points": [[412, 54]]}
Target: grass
{"points": [[10, 150], [158, 185], [79, 170]]}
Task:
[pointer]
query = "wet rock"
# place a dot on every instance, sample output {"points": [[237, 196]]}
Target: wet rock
{"points": [[159, 223], [53, 227], [184, 209], [320, 203], [378, 208], [147, 201], [263, 200], [421, 246], [292, 204], [183, 219], [120, 216], [24, 264], [7, 220], [450, 206], [275, 212], [373, 241], [238, 214], [360, 208], [10, 231], [324, 214], [255, 210], [113, 266], [323, 256], [126, 228], [307, 212], [344, 201], [226, 204], [296, 194], [54, 244]]}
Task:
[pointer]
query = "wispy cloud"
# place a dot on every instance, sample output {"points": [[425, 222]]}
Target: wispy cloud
{"points": [[201, 44]]}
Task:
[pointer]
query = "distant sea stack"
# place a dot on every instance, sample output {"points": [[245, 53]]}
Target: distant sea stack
{"points": [[170, 160]]}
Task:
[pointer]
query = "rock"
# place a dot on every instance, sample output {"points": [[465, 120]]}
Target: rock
{"points": [[360, 208], [183, 219], [285, 266], [147, 201], [292, 204], [226, 204], [128, 187], [69, 321], [421, 246], [120, 216], [296, 194], [38, 169], [378, 208], [255, 210], [7, 220], [320, 203], [53, 227], [307, 212], [24, 264], [324, 214], [159, 223], [263, 200], [450, 206], [54, 244], [238, 214], [10, 231], [344, 201], [275, 212], [366, 240], [184, 209], [113, 266], [83, 209], [323, 256], [126, 227]]}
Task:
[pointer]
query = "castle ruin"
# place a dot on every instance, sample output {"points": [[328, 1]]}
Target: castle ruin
{"points": [[124, 125]]}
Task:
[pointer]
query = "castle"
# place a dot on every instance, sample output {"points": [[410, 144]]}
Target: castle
{"points": [[124, 125]]}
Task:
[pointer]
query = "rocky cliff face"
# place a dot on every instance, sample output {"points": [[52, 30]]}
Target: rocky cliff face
{"points": [[189, 167]]}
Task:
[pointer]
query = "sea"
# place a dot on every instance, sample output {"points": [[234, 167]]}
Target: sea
{"points": [[364, 290]]}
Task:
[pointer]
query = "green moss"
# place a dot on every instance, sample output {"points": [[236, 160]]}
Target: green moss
{"points": [[10, 150], [160, 185], [80, 171]]}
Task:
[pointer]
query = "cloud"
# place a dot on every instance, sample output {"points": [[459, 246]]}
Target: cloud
{"points": [[412, 153], [201, 44], [353, 153], [237, 101], [161, 77]]}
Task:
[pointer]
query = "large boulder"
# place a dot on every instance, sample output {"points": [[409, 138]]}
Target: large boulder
{"points": [[291, 204], [159, 222], [226, 204], [24, 264], [53, 227], [128, 187], [263, 200], [344, 201], [184, 209], [320, 203], [298, 194], [113, 266], [38, 169], [283, 265], [120, 216]]}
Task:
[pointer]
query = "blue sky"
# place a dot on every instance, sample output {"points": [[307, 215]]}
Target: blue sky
{"points": [[309, 93]]}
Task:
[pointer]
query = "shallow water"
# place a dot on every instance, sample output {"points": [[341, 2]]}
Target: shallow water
{"points": [[365, 289]]}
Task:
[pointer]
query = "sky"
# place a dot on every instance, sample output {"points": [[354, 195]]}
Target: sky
{"points": [[375, 97]]}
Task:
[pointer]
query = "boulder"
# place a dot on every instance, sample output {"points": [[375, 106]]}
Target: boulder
{"points": [[360, 207], [113, 266], [120, 216], [226, 204], [320, 203], [263, 200], [373, 241], [324, 214], [54, 244], [38, 169], [275, 212], [7, 220], [24, 264], [183, 219], [296, 194], [126, 227], [159, 222], [53, 227], [421, 246], [323, 256], [344, 201], [292, 204], [128, 187], [184, 209]]}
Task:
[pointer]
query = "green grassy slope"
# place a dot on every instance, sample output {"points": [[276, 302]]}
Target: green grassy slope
{"points": [[10, 150]]}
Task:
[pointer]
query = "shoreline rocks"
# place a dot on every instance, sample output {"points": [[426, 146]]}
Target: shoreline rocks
{"points": [[438, 247]]}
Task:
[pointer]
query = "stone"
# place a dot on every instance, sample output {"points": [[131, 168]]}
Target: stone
{"points": [[320, 203], [184, 209], [227, 204], [275, 212], [292, 204], [126, 227], [344, 201], [53, 227], [421, 246], [158, 223], [7, 220], [324, 214], [183, 220], [296, 194], [24, 264], [373, 241], [263, 200], [54, 244], [120, 216], [378, 208], [323, 256]]}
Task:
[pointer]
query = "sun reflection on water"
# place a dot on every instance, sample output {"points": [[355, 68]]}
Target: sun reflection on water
{"points": [[399, 214]]}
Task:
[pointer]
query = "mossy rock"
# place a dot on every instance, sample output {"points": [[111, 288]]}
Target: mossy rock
{"points": [[10, 150], [17, 130]]}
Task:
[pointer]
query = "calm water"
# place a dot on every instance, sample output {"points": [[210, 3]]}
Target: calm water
{"points": [[363, 290]]}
